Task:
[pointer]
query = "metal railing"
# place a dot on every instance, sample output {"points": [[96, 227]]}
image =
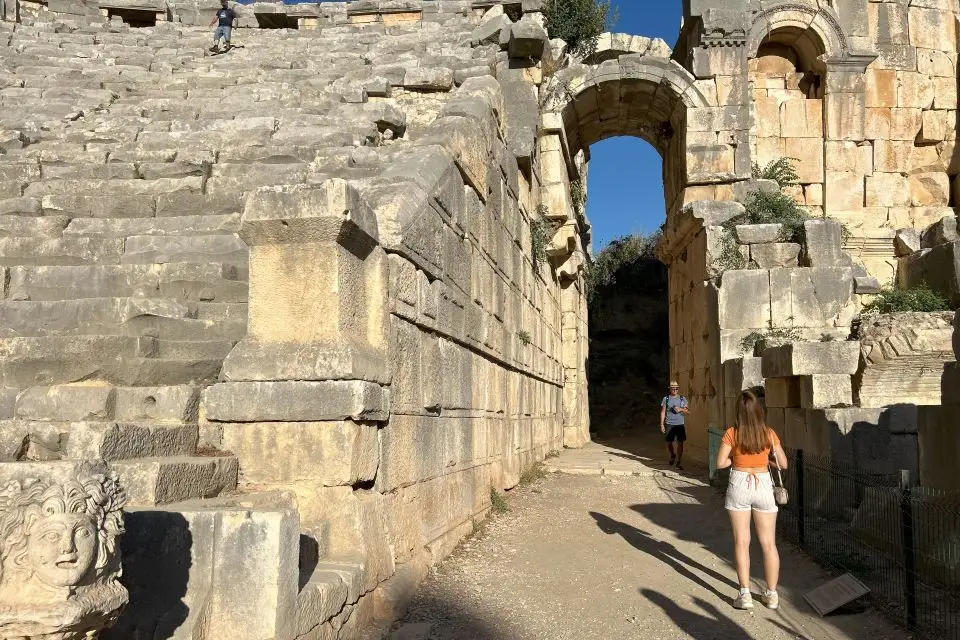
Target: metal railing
{"points": [[901, 540]]}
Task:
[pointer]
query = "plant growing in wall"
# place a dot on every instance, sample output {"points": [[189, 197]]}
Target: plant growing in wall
{"points": [[780, 171], [917, 298], [524, 337], [541, 232], [579, 23]]}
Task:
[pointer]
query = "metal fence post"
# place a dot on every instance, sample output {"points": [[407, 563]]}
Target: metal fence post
{"points": [[909, 558], [801, 529]]}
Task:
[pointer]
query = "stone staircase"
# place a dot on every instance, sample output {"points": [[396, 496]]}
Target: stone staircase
{"points": [[126, 156]]}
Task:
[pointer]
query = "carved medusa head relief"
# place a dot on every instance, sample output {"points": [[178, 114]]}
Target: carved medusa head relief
{"points": [[59, 562]]}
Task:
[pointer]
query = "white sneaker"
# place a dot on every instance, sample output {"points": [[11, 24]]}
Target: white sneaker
{"points": [[744, 600], [770, 599]]}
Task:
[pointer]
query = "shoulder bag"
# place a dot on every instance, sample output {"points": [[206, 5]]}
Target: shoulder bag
{"points": [[780, 494]]}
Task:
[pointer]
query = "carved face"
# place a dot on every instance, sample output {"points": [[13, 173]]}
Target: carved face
{"points": [[62, 548]]}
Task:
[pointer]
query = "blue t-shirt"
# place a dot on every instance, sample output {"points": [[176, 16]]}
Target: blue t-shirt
{"points": [[225, 17], [671, 418]]}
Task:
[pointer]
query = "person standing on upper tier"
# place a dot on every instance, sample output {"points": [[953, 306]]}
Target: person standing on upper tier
{"points": [[225, 20], [673, 408]]}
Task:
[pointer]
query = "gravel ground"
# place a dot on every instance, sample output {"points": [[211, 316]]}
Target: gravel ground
{"points": [[584, 557]]}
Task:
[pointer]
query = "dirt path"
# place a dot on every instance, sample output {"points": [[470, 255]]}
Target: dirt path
{"points": [[607, 557]]}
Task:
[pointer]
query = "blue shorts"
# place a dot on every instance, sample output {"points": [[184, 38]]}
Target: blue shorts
{"points": [[221, 32]]}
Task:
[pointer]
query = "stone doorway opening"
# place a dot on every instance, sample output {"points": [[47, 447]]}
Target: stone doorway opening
{"points": [[276, 21], [628, 310], [136, 18]]}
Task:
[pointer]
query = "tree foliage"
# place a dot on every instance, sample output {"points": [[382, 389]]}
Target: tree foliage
{"points": [[616, 261], [578, 22]]}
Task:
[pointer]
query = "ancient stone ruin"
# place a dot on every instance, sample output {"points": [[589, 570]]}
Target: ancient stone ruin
{"points": [[311, 301]]}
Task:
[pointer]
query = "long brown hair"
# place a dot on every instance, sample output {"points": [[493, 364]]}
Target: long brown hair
{"points": [[752, 433]]}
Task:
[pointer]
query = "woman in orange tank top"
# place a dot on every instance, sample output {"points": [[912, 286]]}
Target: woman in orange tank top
{"points": [[747, 447]]}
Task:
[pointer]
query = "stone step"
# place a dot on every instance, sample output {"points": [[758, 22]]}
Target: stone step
{"points": [[136, 316], [74, 250], [212, 281], [100, 401], [113, 188], [120, 360], [125, 441], [164, 480], [180, 225], [194, 248], [32, 226]]}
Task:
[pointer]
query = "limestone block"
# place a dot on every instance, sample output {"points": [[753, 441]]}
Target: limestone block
{"points": [[67, 402], [866, 285], [521, 117], [489, 31], [887, 190], [322, 598], [161, 404], [328, 453], [528, 39], [847, 155], [906, 242], [776, 254], [296, 401], [708, 164], [782, 392], [740, 374], [744, 299], [932, 28], [229, 569], [820, 297], [938, 268], [881, 88], [802, 119], [844, 191], [758, 233], [823, 391], [152, 481], [938, 436], [942, 232], [823, 243], [120, 441], [428, 79], [743, 189], [810, 358], [935, 126], [929, 189]]}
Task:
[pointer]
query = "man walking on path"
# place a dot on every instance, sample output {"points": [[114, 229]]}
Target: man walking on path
{"points": [[225, 20], [673, 408]]}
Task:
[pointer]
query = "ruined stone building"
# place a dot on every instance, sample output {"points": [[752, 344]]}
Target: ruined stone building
{"points": [[296, 301]]}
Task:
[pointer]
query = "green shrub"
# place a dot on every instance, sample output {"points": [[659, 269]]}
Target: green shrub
{"points": [[578, 22], [578, 194], [622, 252], [780, 171], [541, 232], [918, 298], [775, 208], [524, 337]]}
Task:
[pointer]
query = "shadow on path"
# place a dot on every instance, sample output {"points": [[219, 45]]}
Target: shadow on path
{"points": [[711, 626], [663, 551]]}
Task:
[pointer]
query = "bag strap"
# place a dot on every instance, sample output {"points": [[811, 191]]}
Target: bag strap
{"points": [[776, 461]]}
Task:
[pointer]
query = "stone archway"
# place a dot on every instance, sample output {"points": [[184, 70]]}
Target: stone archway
{"points": [[649, 96]]}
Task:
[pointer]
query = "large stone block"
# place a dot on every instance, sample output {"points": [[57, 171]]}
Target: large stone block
{"points": [[296, 401], [214, 569], [67, 402], [810, 358], [775, 255], [824, 391], [744, 299], [328, 453], [120, 441], [812, 297], [782, 392], [938, 268], [823, 241]]}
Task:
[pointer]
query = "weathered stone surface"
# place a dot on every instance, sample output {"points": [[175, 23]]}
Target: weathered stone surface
{"points": [[489, 31], [758, 233], [296, 401], [153, 481], [942, 232], [235, 563], [67, 403], [866, 285], [528, 39], [744, 300], [938, 268], [777, 254], [326, 453], [810, 358], [824, 391], [823, 243], [906, 242]]}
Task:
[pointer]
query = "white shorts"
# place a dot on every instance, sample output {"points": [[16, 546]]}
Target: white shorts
{"points": [[750, 492]]}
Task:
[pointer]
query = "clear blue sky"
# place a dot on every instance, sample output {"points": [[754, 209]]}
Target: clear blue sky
{"points": [[625, 183]]}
